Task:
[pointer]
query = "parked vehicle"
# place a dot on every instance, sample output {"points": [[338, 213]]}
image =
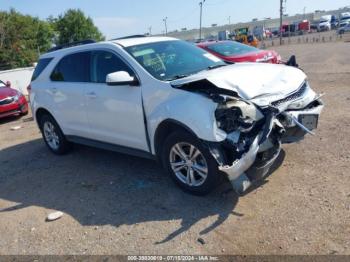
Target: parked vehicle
{"points": [[289, 29], [268, 33], [344, 19], [325, 23], [334, 22], [165, 99], [304, 27], [243, 36], [259, 32], [12, 102], [313, 28], [232, 51], [223, 35], [344, 29]]}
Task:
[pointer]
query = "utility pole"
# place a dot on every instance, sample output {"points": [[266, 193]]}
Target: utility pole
{"points": [[166, 27], [304, 12], [281, 22], [200, 20], [229, 23]]}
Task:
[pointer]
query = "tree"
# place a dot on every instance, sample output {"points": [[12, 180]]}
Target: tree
{"points": [[74, 26], [22, 39]]}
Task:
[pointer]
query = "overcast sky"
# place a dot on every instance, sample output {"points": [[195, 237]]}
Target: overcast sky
{"points": [[117, 18]]}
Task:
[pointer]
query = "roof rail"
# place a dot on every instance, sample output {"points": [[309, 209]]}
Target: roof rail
{"points": [[127, 37], [84, 42]]}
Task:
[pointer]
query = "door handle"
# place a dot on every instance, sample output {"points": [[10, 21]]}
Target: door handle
{"points": [[91, 95]]}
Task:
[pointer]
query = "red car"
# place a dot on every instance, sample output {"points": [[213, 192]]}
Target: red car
{"points": [[12, 102], [232, 51]]}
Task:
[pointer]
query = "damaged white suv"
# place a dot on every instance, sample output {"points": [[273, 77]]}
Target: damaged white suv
{"points": [[166, 99]]}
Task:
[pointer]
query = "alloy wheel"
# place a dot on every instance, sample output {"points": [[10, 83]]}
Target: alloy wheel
{"points": [[188, 164], [51, 136]]}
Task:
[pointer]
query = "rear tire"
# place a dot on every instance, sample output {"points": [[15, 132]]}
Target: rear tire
{"points": [[189, 163], [53, 135]]}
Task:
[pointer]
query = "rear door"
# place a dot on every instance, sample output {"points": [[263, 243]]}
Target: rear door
{"points": [[115, 113], [68, 82]]}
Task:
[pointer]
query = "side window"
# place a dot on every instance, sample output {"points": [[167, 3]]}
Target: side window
{"points": [[73, 68], [104, 63], [42, 64]]}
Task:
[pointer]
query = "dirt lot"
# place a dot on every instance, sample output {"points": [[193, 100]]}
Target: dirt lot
{"points": [[116, 204]]}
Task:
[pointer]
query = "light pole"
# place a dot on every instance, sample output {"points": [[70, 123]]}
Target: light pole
{"points": [[229, 23], [200, 19], [150, 30], [281, 15], [165, 24]]}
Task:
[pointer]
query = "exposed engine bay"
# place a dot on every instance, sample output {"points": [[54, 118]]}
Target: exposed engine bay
{"points": [[254, 133]]}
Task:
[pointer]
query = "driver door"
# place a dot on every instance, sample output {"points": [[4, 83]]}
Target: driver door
{"points": [[115, 113]]}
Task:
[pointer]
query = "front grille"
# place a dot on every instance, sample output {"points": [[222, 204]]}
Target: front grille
{"points": [[292, 97], [11, 112], [6, 101]]}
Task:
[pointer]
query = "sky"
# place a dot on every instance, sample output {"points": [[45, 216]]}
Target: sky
{"points": [[116, 18]]}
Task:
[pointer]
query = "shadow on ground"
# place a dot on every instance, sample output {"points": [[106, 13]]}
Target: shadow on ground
{"points": [[9, 119], [98, 187]]}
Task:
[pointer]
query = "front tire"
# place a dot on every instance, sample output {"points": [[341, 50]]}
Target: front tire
{"points": [[190, 164], [53, 135]]}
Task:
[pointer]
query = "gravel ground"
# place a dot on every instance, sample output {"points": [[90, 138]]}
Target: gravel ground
{"points": [[116, 204]]}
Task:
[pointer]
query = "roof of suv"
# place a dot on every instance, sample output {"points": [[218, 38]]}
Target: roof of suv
{"points": [[126, 42], [142, 40]]}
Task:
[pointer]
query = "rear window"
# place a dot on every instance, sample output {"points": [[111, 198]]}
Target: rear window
{"points": [[231, 48], [42, 64], [73, 68]]}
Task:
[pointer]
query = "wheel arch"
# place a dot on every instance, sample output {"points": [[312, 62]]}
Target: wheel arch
{"points": [[40, 112], [164, 129]]}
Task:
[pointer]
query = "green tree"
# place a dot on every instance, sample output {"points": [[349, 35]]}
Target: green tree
{"points": [[73, 26], [22, 39]]}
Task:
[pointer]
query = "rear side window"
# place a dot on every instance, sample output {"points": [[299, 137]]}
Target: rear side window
{"points": [[73, 68], [42, 64]]}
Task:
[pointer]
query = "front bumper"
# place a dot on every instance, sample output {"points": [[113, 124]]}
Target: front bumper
{"points": [[15, 108], [295, 130], [281, 128]]}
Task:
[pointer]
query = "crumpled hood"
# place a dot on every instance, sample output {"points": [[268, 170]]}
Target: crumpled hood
{"points": [[252, 81], [6, 92]]}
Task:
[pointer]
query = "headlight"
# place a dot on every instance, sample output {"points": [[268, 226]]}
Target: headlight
{"points": [[237, 116], [16, 98], [231, 119]]}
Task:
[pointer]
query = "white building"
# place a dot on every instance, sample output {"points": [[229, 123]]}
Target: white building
{"points": [[19, 78]]}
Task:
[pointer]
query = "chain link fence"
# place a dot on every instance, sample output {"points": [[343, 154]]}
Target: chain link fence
{"points": [[311, 38]]}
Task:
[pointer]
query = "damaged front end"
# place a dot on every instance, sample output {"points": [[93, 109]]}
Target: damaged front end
{"points": [[254, 133], [252, 145]]}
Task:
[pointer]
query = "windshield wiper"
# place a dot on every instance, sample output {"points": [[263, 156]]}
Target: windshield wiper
{"points": [[216, 66], [176, 77]]}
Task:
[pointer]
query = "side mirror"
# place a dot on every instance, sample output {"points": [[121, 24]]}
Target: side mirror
{"points": [[121, 78]]}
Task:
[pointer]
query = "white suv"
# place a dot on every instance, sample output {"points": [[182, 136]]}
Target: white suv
{"points": [[166, 99]]}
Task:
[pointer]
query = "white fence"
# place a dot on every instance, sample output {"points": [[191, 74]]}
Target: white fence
{"points": [[19, 78]]}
